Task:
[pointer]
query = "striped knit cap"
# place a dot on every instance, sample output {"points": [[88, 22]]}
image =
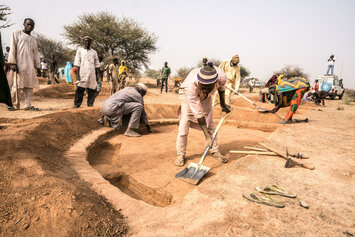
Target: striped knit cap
{"points": [[207, 74]]}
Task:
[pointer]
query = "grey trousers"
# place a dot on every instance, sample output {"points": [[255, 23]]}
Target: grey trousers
{"points": [[114, 114]]}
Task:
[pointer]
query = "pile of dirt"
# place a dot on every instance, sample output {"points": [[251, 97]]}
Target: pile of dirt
{"points": [[62, 90], [40, 193]]}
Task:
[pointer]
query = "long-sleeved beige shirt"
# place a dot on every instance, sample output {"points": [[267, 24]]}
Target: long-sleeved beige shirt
{"points": [[232, 73], [24, 53]]}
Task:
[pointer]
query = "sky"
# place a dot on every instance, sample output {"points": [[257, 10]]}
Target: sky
{"points": [[267, 34]]}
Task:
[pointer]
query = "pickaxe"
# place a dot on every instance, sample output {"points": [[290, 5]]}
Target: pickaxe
{"points": [[289, 161]]}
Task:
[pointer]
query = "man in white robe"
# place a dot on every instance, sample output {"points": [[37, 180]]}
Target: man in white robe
{"points": [[195, 95], [24, 60], [88, 65]]}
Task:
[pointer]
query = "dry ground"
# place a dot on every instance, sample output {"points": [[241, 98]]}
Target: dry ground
{"points": [[63, 174]]}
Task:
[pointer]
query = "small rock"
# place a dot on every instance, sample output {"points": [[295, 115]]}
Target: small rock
{"points": [[33, 198], [348, 234], [26, 226], [304, 204]]}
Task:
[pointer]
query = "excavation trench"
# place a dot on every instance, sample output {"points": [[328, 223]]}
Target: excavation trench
{"points": [[143, 168]]}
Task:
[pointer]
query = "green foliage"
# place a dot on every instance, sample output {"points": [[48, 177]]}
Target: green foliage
{"points": [[216, 62], [183, 72], [290, 71], [4, 12], [48, 47], [152, 73], [244, 72], [114, 36], [349, 95]]}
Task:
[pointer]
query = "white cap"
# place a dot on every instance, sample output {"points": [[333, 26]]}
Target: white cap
{"points": [[141, 85]]}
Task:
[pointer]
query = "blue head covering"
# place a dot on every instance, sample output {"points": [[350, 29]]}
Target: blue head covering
{"points": [[67, 69]]}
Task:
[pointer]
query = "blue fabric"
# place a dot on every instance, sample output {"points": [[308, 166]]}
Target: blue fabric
{"points": [[67, 69], [326, 86], [99, 86]]}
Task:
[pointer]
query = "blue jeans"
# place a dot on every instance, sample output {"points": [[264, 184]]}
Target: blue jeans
{"points": [[330, 68]]}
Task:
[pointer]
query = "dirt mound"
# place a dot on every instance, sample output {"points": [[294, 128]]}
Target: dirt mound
{"points": [[40, 193], [63, 90], [161, 111]]}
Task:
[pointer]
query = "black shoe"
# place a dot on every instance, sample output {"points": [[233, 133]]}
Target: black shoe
{"points": [[75, 106], [10, 108]]}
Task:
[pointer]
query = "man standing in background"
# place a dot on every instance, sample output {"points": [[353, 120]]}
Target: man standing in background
{"points": [[87, 64], [165, 73], [53, 70], [113, 76], [331, 61], [6, 54], [6, 57], [232, 71], [24, 60]]}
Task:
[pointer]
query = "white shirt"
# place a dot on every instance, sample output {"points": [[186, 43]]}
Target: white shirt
{"points": [[331, 61], [87, 60], [43, 66]]}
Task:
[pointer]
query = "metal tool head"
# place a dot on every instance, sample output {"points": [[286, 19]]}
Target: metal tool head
{"points": [[289, 163], [193, 173], [287, 154]]}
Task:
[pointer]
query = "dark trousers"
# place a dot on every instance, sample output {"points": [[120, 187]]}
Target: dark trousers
{"points": [[164, 81], [79, 94]]}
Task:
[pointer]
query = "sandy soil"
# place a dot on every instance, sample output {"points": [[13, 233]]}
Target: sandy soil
{"points": [[62, 173]]}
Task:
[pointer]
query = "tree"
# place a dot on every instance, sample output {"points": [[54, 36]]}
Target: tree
{"points": [[48, 47], [4, 12], [216, 62], [152, 73], [244, 72], [292, 71], [183, 72], [114, 36]]}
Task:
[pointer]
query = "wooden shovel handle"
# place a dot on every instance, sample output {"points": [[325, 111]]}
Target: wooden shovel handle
{"points": [[307, 166]]}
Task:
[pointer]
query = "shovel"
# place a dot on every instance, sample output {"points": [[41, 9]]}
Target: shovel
{"points": [[193, 173], [262, 110]]}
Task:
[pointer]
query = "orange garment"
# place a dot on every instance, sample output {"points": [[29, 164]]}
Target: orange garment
{"points": [[295, 102]]}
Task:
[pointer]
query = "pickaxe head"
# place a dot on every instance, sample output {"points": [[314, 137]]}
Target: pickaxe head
{"points": [[289, 163]]}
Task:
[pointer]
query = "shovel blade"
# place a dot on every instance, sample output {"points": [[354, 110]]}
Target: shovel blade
{"points": [[193, 173]]}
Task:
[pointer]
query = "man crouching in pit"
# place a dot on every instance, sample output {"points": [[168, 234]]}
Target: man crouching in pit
{"points": [[124, 102], [195, 95]]}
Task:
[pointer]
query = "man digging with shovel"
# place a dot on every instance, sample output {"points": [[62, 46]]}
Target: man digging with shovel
{"points": [[195, 95]]}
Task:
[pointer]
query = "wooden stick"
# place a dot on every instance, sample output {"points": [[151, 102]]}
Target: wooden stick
{"points": [[254, 148], [267, 153], [304, 165]]}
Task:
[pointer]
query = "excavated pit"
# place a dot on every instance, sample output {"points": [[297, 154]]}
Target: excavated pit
{"points": [[143, 168]]}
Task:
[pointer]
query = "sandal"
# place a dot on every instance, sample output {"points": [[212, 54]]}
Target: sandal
{"points": [[180, 161], [217, 155], [275, 190], [288, 121], [32, 108], [263, 199]]}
